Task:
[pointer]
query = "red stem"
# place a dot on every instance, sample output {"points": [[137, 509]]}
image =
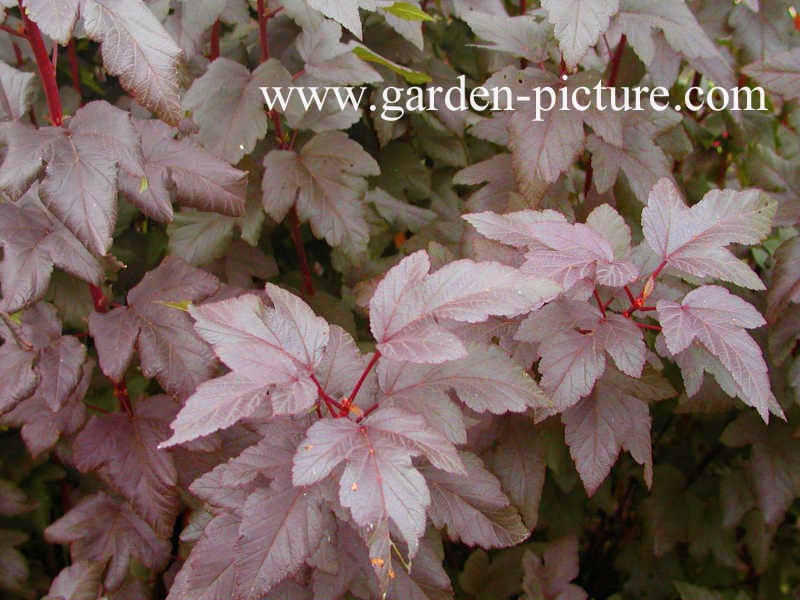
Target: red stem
{"points": [[600, 304], [121, 394], [297, 238], [214, 51], [263, 36], [373, 361], [650, 327], [630, 295], [47, 72], [613, 72], [98, 298], [523, 6], [74, 67], [11, 30]]}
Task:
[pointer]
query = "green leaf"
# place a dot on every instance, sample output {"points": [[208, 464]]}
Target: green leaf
{"points": [[410, 75], [408, 12]]}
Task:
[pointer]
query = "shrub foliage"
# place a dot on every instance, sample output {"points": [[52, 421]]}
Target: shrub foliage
{"points": [[317, 354]]}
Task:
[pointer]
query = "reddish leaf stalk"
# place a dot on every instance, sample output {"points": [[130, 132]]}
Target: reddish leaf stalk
{"points": [[600, 304], [98, 298], [214, 51], [11, 30], [121, 394], [74, 67], [47, 72], [297, 238], [613, 73], [373, 361], [263, 34], [375, 357]]}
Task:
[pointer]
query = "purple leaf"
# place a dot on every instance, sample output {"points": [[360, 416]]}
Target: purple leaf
{"points": [[549, 577], [123, 450], [379, 480], [326, 181], [717, 320], [486, 380], [101, 529], [694, 240], [518, 461], [272, 351], [79, 185], [81, 581], [597, 429], [200, 179], [137, 49], [217, 404], [168, 348], [474, 509], [407, 302], [16, 93], [33, 243], [279, 531], [55, 17], [785, 283], [208, 573], [228, 106], [41, 425]]}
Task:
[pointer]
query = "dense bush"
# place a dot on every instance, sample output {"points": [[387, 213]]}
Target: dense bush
{"points": [[258, 354]]}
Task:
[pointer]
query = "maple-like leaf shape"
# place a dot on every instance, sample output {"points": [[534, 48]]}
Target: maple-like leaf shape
{"points": [[329, 60], [579, 24], [227, 105], [598, 427], [408, 301], [379, 480], [326, 181], [718, 320], [33, 243], [123, 450], [100, 529], [16, 92], [694, 240], [427, 579], [55, 17], [521, 35], [785, 284], [773, 465], [169, 350], [548, 578], [637, 155], [51, 367], [199, 179], [80, 581], [80, 175], [344, 12], [280, 529], [567, 253], [137, 49], [271, 351], [208, 573], [641, 20], [41, 426], [779, 73], [518, 461], [573, 339], [486, 380], [474, 509], [270, 457]]}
